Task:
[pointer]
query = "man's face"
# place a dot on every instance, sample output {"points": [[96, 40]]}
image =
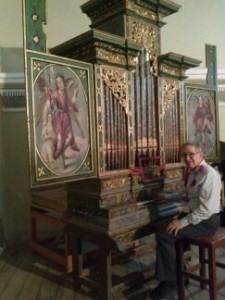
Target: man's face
{"points": [[191, 156]]}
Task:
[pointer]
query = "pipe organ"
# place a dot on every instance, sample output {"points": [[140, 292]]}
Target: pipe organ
{"points": [[139, 111], [135, 118]]}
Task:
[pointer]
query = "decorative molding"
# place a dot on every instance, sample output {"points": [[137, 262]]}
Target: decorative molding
{"points": [[110, 54], [13, 110], [151, 11], [11, 79], [169, 70], [144, 11], [202, 73], [12, 92], [221, 88], [13, 101]]}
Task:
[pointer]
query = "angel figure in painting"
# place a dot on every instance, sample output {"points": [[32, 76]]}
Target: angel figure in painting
{"points": [[58, 106], [202, 119], [61, 107]]}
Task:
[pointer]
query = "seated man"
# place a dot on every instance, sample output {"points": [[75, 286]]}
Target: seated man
{"points": [[201, 204]]}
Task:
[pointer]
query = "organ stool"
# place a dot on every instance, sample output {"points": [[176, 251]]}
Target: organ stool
{"points": [[207, 246]]}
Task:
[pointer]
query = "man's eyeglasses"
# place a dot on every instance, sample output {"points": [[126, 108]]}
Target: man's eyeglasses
{"points": [[191, 154]]}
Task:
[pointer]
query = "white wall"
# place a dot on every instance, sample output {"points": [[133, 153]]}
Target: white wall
{"points": [[11, 28], [65, 20], [198, 22]]}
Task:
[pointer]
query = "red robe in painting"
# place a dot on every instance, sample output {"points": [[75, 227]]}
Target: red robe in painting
{"points": [[62, 123]]}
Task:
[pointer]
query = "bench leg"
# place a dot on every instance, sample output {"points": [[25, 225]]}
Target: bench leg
{"points": [[202, 270], [212, 274]]}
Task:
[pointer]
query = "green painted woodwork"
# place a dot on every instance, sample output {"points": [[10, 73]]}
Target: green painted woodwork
{"points": [[84, 47], [174, 65], [109, 15], [211, 64], [34, 18]]}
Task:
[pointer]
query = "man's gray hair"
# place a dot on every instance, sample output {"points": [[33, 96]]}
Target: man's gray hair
{"points": [[192, 144]]}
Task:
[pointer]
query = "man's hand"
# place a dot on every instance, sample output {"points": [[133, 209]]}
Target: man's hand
{"points": [[174, 226]]}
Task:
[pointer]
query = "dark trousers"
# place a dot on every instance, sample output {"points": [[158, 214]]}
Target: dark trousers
{"points": [[166, 251]]}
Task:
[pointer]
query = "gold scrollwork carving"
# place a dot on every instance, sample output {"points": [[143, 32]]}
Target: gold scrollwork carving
{"points": [[136, 178], [146, 35], [111, 56], [116, 199], [170, 89], [116, 80], [172, 174], [170, 70], [131, 61], [114, 183], [127, 237], [173, 187]]}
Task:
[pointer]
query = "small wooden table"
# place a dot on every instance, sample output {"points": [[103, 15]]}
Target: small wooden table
{"points": [[48, 206], [108, 254]]}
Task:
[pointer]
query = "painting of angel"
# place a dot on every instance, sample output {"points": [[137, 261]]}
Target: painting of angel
{"points": [[204, 121], [201, 114], [61, 119]]}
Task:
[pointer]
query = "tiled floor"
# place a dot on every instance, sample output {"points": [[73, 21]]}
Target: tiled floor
{"points": [[192, 292]]}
